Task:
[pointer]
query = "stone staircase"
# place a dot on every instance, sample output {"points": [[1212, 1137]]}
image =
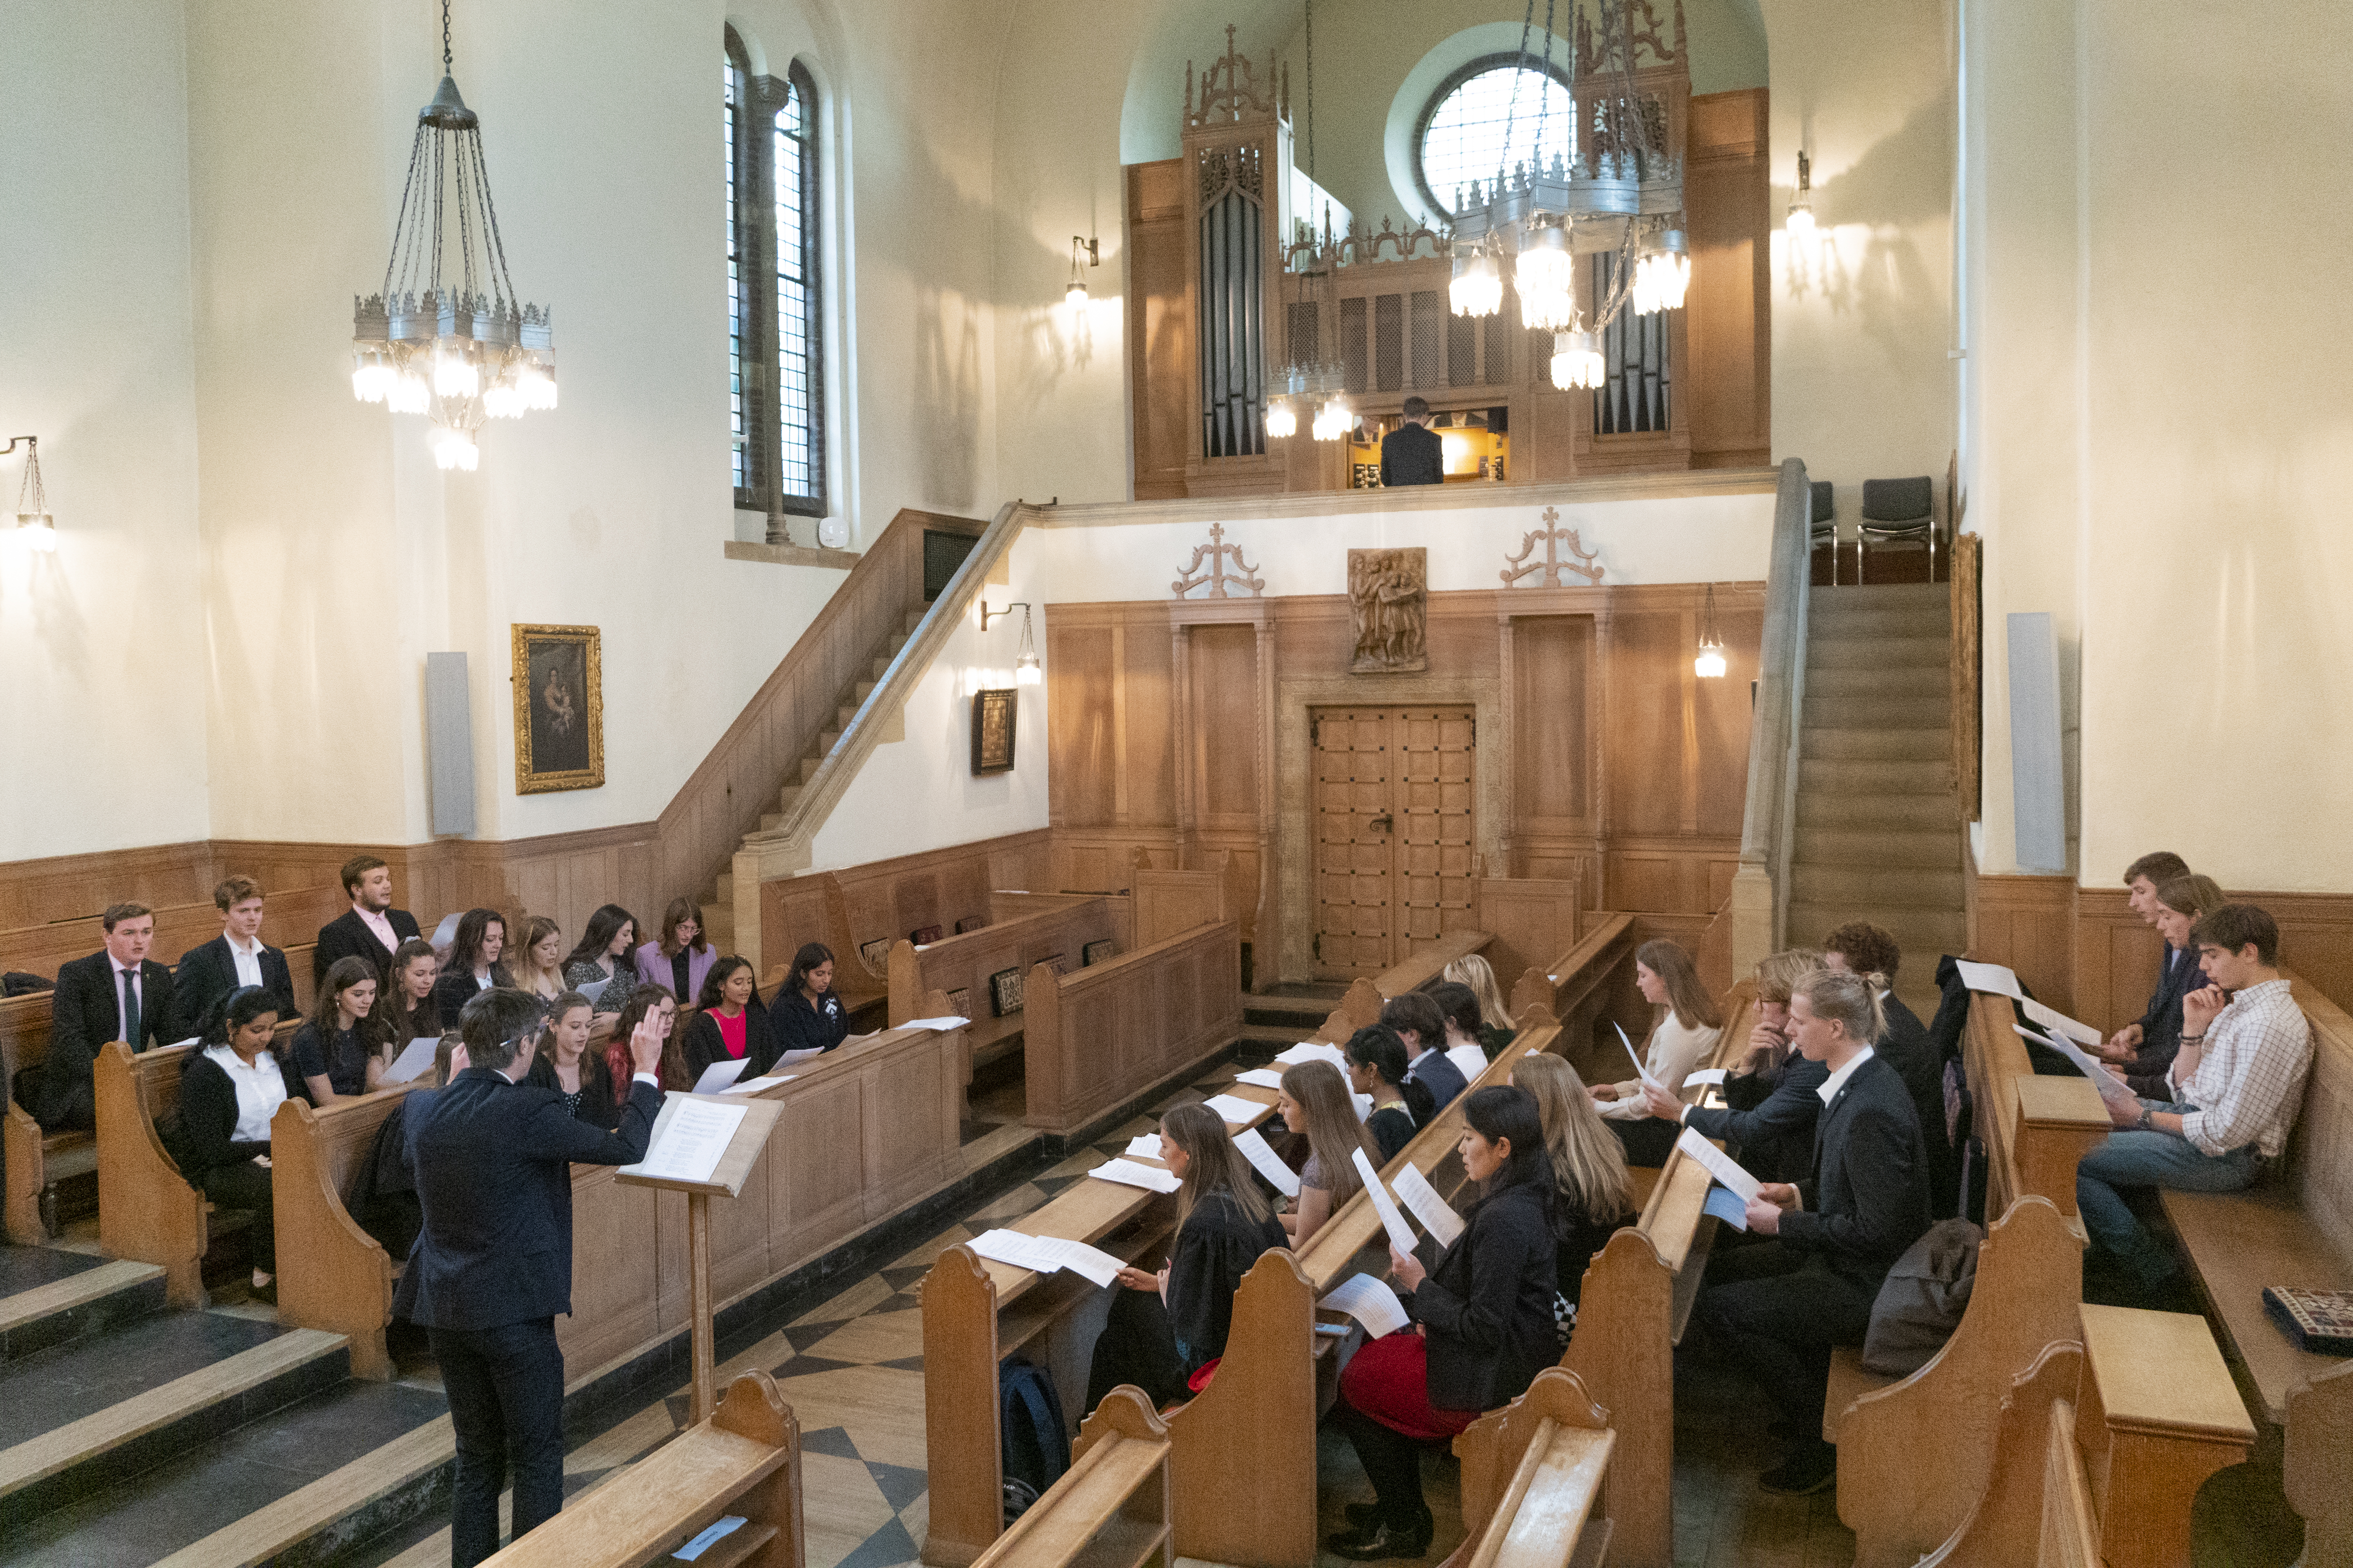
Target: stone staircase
{"points": [[1878, 826], [718, 903]]}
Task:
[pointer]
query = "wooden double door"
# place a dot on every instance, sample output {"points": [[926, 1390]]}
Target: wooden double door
{"points": [[1392, 803]]}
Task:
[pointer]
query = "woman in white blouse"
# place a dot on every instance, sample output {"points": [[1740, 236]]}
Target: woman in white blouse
{"points": [[227, 1095], [1681, 1042]]}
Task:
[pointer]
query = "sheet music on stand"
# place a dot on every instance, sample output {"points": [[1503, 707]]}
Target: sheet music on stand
{"points": [[691, 1137]]}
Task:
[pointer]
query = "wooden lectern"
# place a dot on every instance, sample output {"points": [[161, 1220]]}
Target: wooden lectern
{"points": [[735, 1165]]}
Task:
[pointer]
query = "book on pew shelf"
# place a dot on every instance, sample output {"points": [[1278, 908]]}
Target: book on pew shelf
{"points": [[1266, 1163], [1128, 1173], [414, 1059], [1370, 1301], [1706, 1076], [719, 1531], [1046, 1255], [1312, 1051], [2318, 1320], [1261, 1078], [1143, 1146]]}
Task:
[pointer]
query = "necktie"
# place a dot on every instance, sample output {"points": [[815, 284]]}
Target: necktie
{"points": [[131, 1030]]}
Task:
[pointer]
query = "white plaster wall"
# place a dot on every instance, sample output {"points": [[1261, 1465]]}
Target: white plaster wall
{"points": [[101, 650], [1862, 309]]}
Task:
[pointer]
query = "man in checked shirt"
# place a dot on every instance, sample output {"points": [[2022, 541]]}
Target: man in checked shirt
{"points": [[2236, 1086]]}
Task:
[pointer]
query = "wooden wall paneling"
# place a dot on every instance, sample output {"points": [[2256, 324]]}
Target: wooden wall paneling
{"points": [[2117, 955], [1645, 753], [1531, 923], [1159, 1011], [1223, 711], [1552, 658], [1727, 376], [2028, 924], [76, 887], [1084, 765], [1170, 904], [1159, 326], [1723, 713]]}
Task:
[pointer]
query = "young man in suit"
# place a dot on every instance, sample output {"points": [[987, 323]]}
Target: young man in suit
{"points": [[235, 959], [1780, 1307], [1412, 454], [492, 1266], [372, 928], [1418, 1023], [1861, 948], [2178, 973], [118, 994]]}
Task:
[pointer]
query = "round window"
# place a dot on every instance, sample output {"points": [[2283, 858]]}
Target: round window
{"points": [[1492, 114]]}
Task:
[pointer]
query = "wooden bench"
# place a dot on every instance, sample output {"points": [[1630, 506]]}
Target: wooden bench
{"points": [[745, 1462], [2034, 1129], [2035, 1509], [977, 1312], [1361, 1008], [1533, 1475], [1112, 1508], [2292, 1228], [1097, 1037], [958, 967], [332, 1274]]}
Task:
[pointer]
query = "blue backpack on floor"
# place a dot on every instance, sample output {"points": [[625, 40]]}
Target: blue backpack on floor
{"points": [[1037, 1449]]}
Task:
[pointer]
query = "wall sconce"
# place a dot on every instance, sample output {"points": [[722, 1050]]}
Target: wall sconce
{"points": [[1801, 209], [1075, 296], [34, 526], [1027, 670], [1709, 665]]}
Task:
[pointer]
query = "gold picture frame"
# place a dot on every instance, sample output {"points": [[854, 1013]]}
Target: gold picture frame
{"points": [[992, 731], [559, 708]]}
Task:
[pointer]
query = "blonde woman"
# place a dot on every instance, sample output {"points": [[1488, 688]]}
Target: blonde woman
{"points": [[1770, 1106], [1494, 1012], [1681, 1042], [538, 965], [1314, 1099], [1596, 1196], [1165, 1329]]}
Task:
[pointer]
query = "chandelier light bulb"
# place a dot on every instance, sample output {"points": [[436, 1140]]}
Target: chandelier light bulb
{"points": [[536, 377], [1576, 361], [1075, 296], [502, 400], [372, 378], [38, 529], [1801, 207], [1478, 286], [455, 375], [455, 449], [1280, 419], [1025, 671], [1709, 665]]}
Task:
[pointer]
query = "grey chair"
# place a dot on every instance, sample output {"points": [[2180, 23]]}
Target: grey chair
{"points": [[1823, 530], [1896, 510]]}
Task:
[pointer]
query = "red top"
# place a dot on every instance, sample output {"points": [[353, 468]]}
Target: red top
{"points": [[731, 1031]]}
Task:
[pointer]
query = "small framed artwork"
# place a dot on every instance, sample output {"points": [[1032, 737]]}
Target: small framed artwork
{"points": [[875, 954], [559, 708], [1094, 953], [970, 922], [1057, 962], [960, 1002], [992, 731], [1005, 991], [924, 936]]}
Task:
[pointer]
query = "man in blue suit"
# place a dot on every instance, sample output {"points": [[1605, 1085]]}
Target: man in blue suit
{"points": [[492, 1266]]}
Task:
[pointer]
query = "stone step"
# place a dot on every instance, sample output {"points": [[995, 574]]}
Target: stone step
{"points": [[78, 1417], [1847, 812], [1881, 595], [843, 714], [1876, 886], [826, 741], [1887, 684], [48, 1297], [1825, 652], [809, 766], [719, 924], [1844, 743], [1907, 712], [915, 618], [1923, 934], [861, 690], [1829, 776], [1840, 618], [1928, 849], [769, 820], [725, 892]]}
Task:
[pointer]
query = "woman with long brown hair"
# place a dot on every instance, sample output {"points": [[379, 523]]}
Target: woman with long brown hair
{"points": [[1314, 1100], [678, 957], [331, 1052], [1165, 1329], [538, 961], [1588, 1165], [1682, 1040]]}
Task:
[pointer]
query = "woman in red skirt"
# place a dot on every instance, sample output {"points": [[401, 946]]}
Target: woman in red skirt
{"points": [[1484, 1329]]}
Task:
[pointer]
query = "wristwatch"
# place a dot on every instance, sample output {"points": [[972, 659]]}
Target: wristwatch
{"points": [[2146, 1117]]}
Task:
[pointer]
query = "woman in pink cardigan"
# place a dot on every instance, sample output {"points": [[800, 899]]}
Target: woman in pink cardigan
{"points": [[680, 958]]}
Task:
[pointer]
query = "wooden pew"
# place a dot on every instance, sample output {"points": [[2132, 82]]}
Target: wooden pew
{"points": [[332, 1274], [147, 1212], [1170, 904], [745, 1462], [2028, 1288], [1097, 1037], [1113, 1509], [1533, 1475], [977, 1312], [960, 966], [2035, 1510], [2295, 1228], [2034, 1129], [1361, 1008]]}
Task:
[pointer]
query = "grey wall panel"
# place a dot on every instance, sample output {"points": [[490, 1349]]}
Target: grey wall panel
{"points": [[449, 743], [2037, 768]]}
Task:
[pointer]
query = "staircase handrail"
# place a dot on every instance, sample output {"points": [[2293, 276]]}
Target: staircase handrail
{"points": [[786, 847], [1768, 822]]}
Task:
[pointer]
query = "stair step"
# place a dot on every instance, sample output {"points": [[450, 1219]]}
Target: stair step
{"points": [[809, 766], [1922, 935], [80, 1416], [861, 690], [1848, 743], [894, 642], [1827, 652], [1892, 683], [324, 1473], [769, 820], [1876, 886], [1880, 595], [1904, 713], [48, 1297], [882, 666], [826, 741], [1848, 616], [1843, 812], [725, 892], [1931, 849], [915, 618], [1834, 776], [843, 715]]}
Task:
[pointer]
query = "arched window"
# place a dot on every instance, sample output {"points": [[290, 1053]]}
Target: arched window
{"points": [[776, 370], [1495, 114]]}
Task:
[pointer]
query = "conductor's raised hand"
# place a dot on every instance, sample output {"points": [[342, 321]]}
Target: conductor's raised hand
{"points": [[646, 1045]]}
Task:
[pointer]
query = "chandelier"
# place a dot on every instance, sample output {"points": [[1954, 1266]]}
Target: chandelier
{"points": [[456, 350], [1620, 193]]}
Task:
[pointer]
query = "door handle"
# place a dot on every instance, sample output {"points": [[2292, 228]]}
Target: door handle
{"points": [[1384, 822]]}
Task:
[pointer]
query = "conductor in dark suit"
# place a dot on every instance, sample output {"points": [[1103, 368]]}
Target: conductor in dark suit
{"points": [[372, 929], [116, 994], [230, 961], [492, 1266], [1781, 1307], [1411, 453]]}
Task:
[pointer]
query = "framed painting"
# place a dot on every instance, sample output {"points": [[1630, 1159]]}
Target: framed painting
{"points": [[559, 708], [992, 731]]}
